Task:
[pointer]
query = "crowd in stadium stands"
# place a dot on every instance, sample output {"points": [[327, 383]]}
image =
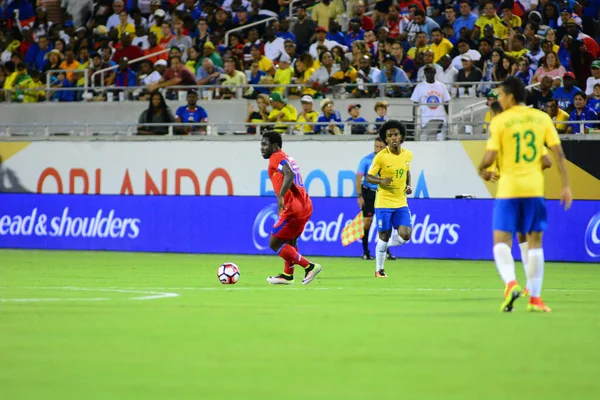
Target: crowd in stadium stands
{"points": [[326, 49]]}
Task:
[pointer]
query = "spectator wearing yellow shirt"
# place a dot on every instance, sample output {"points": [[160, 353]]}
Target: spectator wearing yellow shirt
{"points": [[124, 25], [33, 88], [307, 115], [284, 73], [420, 45], [70, 63], [232, 79], [304, 71], [325, 10], [516, 47], [489, 16], [159, 18], [281, 112], [264, 64], [557, 115], [440, 45], [509, 20]]}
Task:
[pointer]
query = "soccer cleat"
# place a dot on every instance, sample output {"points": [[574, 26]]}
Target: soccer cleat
{"points": [[525, 293], [311, 272], [511, 293], [281, 279], [537, 305], [389, 256], [367, 256], [380, 274]]}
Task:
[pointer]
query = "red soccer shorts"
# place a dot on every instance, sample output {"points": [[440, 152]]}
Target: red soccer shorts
{"points": [[286, 228]]}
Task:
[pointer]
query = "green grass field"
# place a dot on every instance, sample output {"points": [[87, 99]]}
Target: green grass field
{"points": [[94, 325]]}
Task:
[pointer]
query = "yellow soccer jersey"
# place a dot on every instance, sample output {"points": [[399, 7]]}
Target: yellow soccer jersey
{"points": [[518, 135], [389, 165]]}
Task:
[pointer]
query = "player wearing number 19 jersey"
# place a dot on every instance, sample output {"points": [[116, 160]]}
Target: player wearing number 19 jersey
{"points": [[517, 138], [294, 209], [391, 171]]}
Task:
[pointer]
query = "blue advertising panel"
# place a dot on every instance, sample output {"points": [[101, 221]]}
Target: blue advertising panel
{"points": [[442, 228]]}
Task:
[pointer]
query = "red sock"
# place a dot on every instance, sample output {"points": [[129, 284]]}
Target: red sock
{"points": [[291, 256], [288, 268]]}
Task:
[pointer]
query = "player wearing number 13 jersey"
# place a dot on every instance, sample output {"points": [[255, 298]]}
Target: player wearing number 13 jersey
{"points": [[390, 170], [517, 138], [294, 209]]}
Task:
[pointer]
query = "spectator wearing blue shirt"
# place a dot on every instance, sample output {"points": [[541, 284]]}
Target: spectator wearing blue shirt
{"points": [[126, 77], [328, 118], [284, 30], [565, 94], [466, 18], [35, 57], [392, 74], [582, 112], [334, 33], [208, 73], [355, 33], [356, 128], [190, 114], [594, 99], [525, 72], [254, 79], [62, 81]]}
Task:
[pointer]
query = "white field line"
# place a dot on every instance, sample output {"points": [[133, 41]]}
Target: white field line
{"points": [[269, 287], [150, 295]]}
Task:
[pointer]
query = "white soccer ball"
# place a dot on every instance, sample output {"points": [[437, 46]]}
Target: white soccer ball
{"points": [[228, 273]]}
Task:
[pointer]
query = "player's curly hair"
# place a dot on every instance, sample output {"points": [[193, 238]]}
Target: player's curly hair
{"points": [[274, 138], [392, 124]]}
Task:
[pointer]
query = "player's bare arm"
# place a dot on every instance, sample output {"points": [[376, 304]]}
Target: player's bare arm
{"points": [[379, 181], [361, 201], [566, 197], [408, 189], [488, 159], [546, 161], [288, 179]]}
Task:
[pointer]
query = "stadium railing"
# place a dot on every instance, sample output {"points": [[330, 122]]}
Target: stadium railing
{"points": [[135, 60], [241, 28], [124, 130], [210, 92]]}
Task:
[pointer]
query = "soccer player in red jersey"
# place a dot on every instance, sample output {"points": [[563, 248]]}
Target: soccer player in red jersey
{"points": [[294, 208]]}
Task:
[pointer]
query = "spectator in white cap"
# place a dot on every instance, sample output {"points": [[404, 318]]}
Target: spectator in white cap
{"points": [[307, 115], [114, 20], [153, 76], [468, 73], [331, 120], [594, 79], [156, 21], [284, 73]]}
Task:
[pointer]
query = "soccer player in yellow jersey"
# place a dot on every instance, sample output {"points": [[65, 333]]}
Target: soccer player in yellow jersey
{"points": [[495, 110], [390, 170], [517, 138]]}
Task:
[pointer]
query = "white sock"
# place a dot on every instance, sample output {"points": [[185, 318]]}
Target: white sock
{"points": [[524, 249], [504, 262], [380, 253], [396, 240], [535, 267]]}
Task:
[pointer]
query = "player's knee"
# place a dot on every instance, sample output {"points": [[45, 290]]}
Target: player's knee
{"points": [[405, 236], [385, 236]]}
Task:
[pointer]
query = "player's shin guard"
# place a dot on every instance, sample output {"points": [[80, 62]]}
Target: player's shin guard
{"points": [[380, 253], [524, 247], [396, 240], [288, 268], [291, 256], [535, 267], [504, 262]]}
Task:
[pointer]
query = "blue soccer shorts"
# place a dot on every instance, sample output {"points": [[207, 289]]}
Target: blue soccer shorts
{"points": [[520, 215], [388, 218]]}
